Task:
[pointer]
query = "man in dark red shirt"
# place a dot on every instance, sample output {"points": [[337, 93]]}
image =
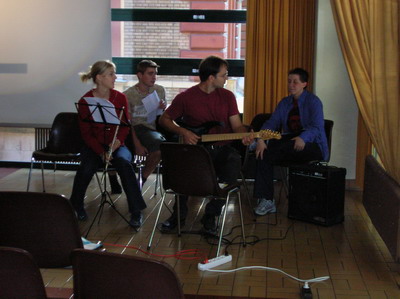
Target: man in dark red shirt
{"points": [[205, 102]]}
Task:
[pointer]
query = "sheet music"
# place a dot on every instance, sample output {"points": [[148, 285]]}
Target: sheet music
{"points": [[151, 103], [108, 109]]}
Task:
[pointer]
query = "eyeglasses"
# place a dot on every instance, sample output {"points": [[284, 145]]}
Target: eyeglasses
{"points": [[223, 75]]}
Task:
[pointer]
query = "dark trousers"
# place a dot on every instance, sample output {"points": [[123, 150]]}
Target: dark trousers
{"points": [[91, 162], [280, 152], [227, 163]]}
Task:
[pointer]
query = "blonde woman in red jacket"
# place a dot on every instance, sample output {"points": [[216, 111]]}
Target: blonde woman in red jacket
{"points": [[98, 138]]}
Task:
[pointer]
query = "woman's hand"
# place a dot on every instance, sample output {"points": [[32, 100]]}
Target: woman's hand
{"points": [[106, 157], [115, 146]]}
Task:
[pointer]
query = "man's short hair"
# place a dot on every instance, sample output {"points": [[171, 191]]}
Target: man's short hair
{"points": [[210, 66], [144, 64], [303, 74]]}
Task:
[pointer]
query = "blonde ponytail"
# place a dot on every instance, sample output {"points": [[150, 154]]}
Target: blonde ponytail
{"points": [[97, 68]]}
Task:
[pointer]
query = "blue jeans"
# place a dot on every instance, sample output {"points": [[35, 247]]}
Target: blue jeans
{"points": [[91, 162]]}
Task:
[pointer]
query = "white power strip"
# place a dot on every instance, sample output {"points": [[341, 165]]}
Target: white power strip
{"points": [[214, 262]]}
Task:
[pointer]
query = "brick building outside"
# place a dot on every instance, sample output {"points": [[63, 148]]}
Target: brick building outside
{"points": [[178, 40]]}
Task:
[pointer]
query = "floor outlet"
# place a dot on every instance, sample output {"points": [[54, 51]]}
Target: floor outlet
{"points": [[212, 263]]}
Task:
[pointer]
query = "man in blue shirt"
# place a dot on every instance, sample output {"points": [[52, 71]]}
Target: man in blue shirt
{"points": [[300, 118]]}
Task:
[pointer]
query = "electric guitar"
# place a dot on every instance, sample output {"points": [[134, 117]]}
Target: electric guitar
{"points": [[204, 128], [263, 134]]}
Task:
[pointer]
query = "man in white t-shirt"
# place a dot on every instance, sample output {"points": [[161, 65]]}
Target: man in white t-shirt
{"points": [[146, 139]]}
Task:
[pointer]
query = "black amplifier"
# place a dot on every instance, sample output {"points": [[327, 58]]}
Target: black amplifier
{"points": [[316, 193]]}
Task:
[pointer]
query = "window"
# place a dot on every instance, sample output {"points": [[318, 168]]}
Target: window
{"points": [[177, 34]]}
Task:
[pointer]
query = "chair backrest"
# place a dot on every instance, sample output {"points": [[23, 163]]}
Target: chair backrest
{"points": [[110, 275], [20, 276], [259, 120], [188, 169], [44, 224], [65, 135]]}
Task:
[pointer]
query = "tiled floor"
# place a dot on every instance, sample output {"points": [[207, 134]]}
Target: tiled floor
{"points": [[351, 253]]}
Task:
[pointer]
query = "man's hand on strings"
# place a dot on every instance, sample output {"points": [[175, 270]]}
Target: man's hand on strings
{"points": [[248, 139]]}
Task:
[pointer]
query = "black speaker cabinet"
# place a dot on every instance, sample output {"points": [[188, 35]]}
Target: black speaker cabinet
{"points": [[316, 193]]}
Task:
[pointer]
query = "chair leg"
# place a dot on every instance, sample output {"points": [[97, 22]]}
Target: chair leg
{"points": [[139, 162], [157, 182], [41, 164], [178, 206], [223, 221], [284, 175], [160, 202], [140, 175], [246, 189], [29, 176], [241, 218]]}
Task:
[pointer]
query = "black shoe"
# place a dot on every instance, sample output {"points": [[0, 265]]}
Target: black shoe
{"points": [[116, 190], [209, 225], [171, 223], [136, 220], [115, 186], [81, 214]]}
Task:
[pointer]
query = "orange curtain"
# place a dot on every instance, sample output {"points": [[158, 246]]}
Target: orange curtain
{"points": [[280, 36], [369, 37]]}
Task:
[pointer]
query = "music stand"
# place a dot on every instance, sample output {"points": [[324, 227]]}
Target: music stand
{"points": [[104, 112]]}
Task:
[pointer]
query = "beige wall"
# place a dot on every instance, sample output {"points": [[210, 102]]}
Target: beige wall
{"points": [[333, 86], [54, 40]]}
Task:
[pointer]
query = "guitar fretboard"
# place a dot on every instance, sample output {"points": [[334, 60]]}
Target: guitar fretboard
{"points": [[228, 136]]}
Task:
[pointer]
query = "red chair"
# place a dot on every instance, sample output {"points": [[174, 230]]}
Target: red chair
{"points": [[110, 275], [43, 224], [20, 276]]}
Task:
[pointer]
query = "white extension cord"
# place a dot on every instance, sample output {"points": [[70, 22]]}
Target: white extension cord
{"points": [[317, 279], [306, 291], [212, 263]]}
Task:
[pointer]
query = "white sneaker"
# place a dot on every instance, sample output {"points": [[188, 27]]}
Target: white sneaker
{"points": [[265, 206]]}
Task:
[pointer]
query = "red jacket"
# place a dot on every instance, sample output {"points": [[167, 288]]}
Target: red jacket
{"points": [[98, 136]]}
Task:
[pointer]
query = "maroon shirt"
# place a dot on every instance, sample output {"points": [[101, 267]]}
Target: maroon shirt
{"points": [[197, 107]]}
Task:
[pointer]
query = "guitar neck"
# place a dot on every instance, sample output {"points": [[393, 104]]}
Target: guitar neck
{"points": [[227, 136]]}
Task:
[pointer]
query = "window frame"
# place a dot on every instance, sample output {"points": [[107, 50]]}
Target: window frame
{"points": [[176, 66]]}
